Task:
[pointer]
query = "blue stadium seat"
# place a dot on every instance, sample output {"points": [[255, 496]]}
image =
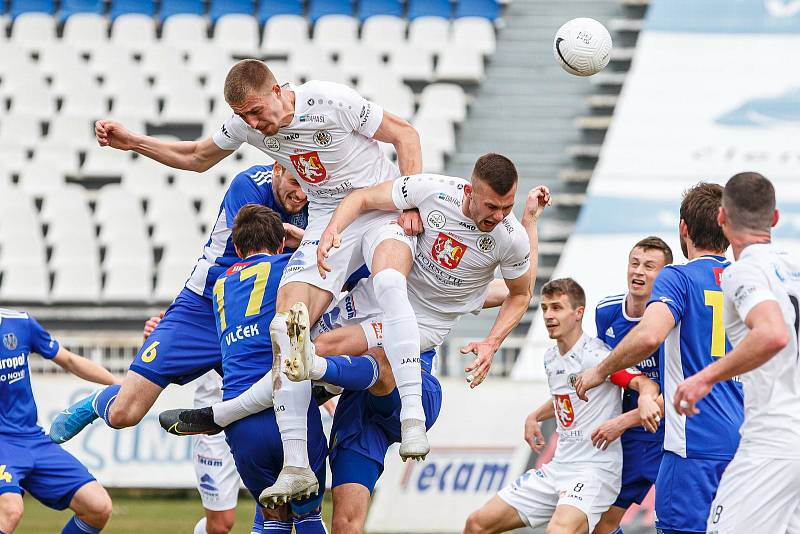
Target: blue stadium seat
{"points": [[488, 9], [227, 7], [26, 6], [268, 8], [174, 7], [368, 8], [319, 8], [428, 8], [70, 7], [140, 7]]}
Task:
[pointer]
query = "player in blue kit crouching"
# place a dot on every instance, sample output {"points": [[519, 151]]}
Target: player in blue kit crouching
{"points": [[29, 461]]}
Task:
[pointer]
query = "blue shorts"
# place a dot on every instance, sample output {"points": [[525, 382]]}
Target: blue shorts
{"points": [[640, 463], [45, 470], [365, 425], [255, 443], [183, 346], [685, 488]]}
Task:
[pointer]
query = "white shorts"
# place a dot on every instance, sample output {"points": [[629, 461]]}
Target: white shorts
{"points": [[217, 479], [360, 306], [359, 242], [536, 494], [757, 495]]}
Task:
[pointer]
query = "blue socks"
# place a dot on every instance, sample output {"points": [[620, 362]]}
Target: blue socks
{"points": [[277, 527], [351, 372], [618, 531], [76, 526], [258, 522], [309, 524], [104, 400]]}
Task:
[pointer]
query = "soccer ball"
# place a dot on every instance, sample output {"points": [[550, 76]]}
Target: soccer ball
{"points": [[582, 46]]}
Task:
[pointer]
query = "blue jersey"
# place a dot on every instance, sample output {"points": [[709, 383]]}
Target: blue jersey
{"points": [[692, 293], [21, 335], [612, 325], [253, 186], [244, 305]]}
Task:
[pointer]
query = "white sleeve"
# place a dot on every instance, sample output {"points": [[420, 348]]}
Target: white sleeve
{"points": [[517, 259], [408, 192], [231, 134], [358, 114], [746, 286]]}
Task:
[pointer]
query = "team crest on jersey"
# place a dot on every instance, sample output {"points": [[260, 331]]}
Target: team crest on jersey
{"points": [[10, 341], [436, 219], [564, 410], [571, 379], [323, 138], [485, 243], [447, 251], [272, 143], [309, 167]]}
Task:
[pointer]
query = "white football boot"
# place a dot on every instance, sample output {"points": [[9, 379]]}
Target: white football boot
{"points": [[301, 354], [414, 444], [293, 483]]}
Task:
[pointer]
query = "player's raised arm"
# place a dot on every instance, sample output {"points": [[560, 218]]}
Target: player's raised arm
{"points": [[83, 367], [538, 199], [405, 139], [196, 156]]}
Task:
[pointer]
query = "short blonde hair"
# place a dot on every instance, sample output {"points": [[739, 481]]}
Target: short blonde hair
{"points": [[245, 78]]}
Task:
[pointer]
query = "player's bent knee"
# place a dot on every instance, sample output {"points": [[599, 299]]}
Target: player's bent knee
{"points": [[220, 522], [92, 504], [122, 416], [11, 509], [343, 524], [567, 525], [477, 524]]}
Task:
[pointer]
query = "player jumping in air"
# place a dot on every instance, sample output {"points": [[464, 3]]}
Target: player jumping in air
{"points": [[570, 493], [29, 461], [760, 489], [685, 313]]}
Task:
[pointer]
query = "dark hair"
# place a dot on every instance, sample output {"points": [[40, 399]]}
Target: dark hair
{"points": [[749, 201], [257, 228], [655, 243], [497, 171], [246, 77], [568, 287], [699, 210]]}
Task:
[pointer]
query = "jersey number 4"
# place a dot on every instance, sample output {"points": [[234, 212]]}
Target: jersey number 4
{"points": [[261, 272]]}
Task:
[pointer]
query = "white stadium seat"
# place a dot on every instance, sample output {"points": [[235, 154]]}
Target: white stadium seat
{"points": [[282, 33], [40, 178], [36, 100], [127, 78], [121, 252], [12, 156], [185, 106], [75, 131], [62, 159], [310, 63], [460, 65], [393, 95], [184, 31], [34, 30], [105, 162], [68, 206], [383, 33], [432, 158], [20, 79], [197, 185], [15, 58], [86, 31], [133, 31], [115, 202], [412, 63], [474, 32], [26, 282], [110, 60], [146, 177], [128, 282], [143, 104], [334, 32], [430, 33], [443, 100], [20, 130], [354, 61], [171, 278], [76, 282], [21, 244], [61, 58], [238, 34], [88, 100], [437, 132]]}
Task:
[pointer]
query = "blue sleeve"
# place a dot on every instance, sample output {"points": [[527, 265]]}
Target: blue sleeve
{"points": [[244, 190], [671, 288], [599, 326], [41, 340]]}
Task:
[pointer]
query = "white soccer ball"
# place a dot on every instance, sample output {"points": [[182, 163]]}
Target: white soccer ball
{"points": [[582, 46]]}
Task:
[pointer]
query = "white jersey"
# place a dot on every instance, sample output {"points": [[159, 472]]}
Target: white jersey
{"points": [[328, 145], [454, 261], [578, 419], [772, 391], [208, 390]]}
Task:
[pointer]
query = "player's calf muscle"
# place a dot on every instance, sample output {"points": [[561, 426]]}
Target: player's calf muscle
{"points": [[11, 509]]}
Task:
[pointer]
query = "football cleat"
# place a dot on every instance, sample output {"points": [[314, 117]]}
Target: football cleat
{"points": [[301, 353], [68, 423], [414, 443], [322, 393], [182, 422], [293, 483]]}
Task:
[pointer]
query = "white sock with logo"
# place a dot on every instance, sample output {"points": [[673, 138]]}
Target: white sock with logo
{"points": [[401, 340]]}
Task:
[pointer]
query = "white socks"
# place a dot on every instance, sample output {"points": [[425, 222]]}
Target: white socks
{"points": [[319, 369], [401, 341], [256, 398], [200, 527], [291, 399]]}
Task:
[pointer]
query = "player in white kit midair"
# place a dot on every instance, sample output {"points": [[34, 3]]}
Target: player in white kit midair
{"points": [[759, 493], [570, 493], [327, 134]]}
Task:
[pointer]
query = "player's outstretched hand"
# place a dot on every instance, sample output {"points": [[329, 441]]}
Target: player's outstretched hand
{"points": [[113, 134], [587, 380], [649, 413], [479, 368], [538, 199], [605, 434], [689, 393], [294, 235], [411, 222], [533, 433], [151, 324], [330, 239]]}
